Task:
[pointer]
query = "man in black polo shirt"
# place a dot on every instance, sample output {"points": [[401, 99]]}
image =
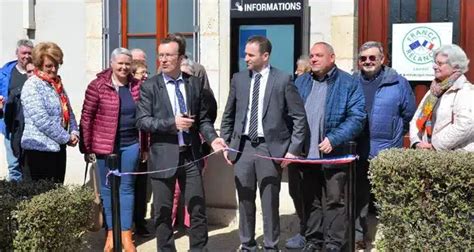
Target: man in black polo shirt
{"points": [[12, 78]]}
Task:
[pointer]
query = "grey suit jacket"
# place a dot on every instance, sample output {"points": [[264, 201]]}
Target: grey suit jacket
{"points": [[155, 115], [284, 119]]}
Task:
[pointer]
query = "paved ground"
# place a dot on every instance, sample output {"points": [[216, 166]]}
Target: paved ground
{"points": [[220, 239]]}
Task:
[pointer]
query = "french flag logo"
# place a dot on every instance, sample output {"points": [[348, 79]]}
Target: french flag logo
{"points": [[428, 45], [425, 44]]}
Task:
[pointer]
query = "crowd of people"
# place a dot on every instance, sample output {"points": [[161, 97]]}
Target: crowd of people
{"points": [[163, 121]]}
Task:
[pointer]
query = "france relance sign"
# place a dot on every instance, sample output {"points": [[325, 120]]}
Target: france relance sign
{"points": [[413, 46]]}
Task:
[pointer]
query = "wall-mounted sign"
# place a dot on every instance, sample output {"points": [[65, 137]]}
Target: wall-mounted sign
{"points": [[284, 22], [265, 8], [413, 46]]}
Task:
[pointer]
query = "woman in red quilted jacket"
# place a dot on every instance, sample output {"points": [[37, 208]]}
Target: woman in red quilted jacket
{"points": [[108, 126]]}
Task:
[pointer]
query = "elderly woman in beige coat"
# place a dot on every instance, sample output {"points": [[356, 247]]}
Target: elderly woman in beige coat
{"points": [[444, 119]]}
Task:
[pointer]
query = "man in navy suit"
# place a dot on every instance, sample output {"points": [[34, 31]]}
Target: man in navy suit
{"points": [[264, 115]]}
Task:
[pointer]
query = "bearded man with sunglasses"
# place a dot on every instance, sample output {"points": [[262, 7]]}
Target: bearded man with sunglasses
{"points": [[390, 105]]}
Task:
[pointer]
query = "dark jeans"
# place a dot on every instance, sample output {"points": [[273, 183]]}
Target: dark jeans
{"points": [[190, 182], [142, 195], [45, 165], [248, 171], [362, 198], [295, 187], [324, 203]]}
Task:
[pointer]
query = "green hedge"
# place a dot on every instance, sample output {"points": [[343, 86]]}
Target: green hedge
{"points": [[425, 199], [42, 216], [11, 194]]}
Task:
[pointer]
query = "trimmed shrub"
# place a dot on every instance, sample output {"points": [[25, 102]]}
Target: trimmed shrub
{"points": [[425, 199], [54, 221], [43, 216], [10, 196]]}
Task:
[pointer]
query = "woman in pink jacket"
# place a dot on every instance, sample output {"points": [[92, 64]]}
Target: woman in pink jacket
{"points": [[108, 126]]}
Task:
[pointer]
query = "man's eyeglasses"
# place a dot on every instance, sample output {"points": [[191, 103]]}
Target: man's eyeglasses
{"points": [[166, 56], [371, 58]]}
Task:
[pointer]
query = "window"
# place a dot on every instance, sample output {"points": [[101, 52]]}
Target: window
{"points": [[282, 36], [146, 22]]}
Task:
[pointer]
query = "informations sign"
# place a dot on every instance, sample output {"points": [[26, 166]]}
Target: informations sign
{"points": [[413, 46], [266, 8]]}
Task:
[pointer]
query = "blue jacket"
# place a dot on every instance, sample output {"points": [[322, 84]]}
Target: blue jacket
{"points": [[345, 107], [5, 75], [43, 114], [392, 110]]}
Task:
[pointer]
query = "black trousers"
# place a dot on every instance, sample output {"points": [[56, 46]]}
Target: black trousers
{"points": [[250, 170], [142, 195], [45, 165], [362, 198], [190, 182], [324, 205], [295, 187]]}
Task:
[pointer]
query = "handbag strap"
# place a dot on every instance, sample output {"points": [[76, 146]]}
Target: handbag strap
{"points": [[85, 174], [94, 178]]}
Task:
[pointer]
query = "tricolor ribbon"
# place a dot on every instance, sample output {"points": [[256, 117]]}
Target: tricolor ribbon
{"points": [[345, 159]]}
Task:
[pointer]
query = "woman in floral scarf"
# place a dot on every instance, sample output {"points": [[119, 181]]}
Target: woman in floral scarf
{"points": [[445, 117], [50, 124]]}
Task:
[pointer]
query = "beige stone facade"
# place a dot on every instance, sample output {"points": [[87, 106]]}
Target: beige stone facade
{"points": [[330, 21], [76, 25]]}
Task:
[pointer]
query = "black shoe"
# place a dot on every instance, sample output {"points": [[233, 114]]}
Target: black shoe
{"points": [[141, 230], [311, 247]]}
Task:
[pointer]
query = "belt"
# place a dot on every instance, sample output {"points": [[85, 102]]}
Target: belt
{"points": [[256, 141], [184, 148]]}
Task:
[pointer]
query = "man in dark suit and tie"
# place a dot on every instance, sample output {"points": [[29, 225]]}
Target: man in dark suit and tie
{"points": [[264, 115], [172, 110]]}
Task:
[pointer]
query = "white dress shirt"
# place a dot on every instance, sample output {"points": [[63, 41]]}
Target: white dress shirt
{"points": [[261, 94], [171, 88]]}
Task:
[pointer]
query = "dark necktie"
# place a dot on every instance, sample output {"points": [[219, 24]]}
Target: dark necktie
{"points": [[182, 108], [253, 127], [179, 95]]}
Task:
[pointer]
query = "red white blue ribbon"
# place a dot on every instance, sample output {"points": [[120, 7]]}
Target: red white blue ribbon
{"points": [[345, 159], [334, 160]]}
